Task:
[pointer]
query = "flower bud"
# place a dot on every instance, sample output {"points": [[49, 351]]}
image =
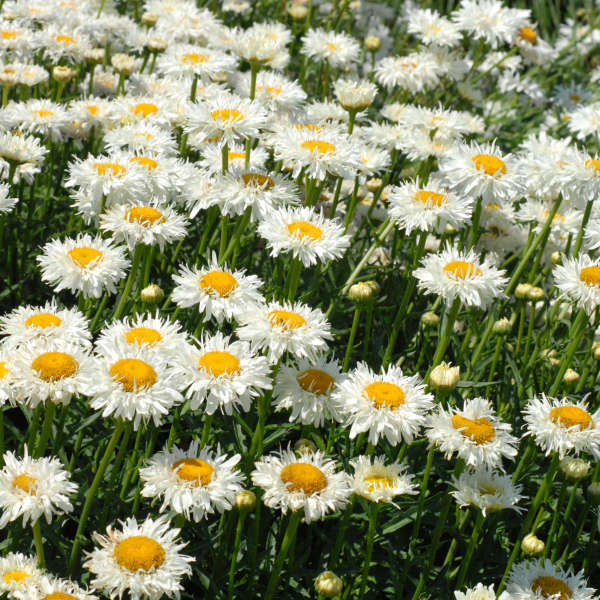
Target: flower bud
{"points": [[62, 74], [574, 469], [374, 184], [304, 446], [157, 45], [535, 294], [532, 545], [571, 376], [372, 43], [597, 353], [123, 64], [245, 500], [328, 584], [556, 258], [152, 294], [297, 12], [444, 376], [449, 229], [149, 20], [593, 492], [502, 326], [430, 319], [522, 290], [363, 291], [94, 56]]}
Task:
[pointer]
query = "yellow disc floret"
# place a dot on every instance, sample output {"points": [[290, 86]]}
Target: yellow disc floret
{"points": [[52, 366], [257, 180], [225, 115], [219, 363], [385, 395], [17, 577], [59, 596], [194, 470], [377, 482], [286, 319], [43, 320], [144, 161], [304, 230], [315, 381], [479, 431], [84, 255], [462, 269], [551, 587], [528, 34], [303, 477], [219, 282], [318, 146], [144, 109], [144, 215], [105, 168], [26, 483], [490, 165], [590, 275], [571, 416], [433, 198], [139, 553], [133, 373], [143, 336]]}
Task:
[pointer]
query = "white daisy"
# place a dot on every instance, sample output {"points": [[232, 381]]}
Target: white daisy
{"points": [[21, 149], [157, 108], [6, 389], [355, 95], [388, 405], [487, 490], [196, 483], [452, 274], [6, 202], [286, 327], [338, 49], [143, 560], [380, 482], [431, 28], [223, 374], [306, 391], [563, 426], [308, 482], [140, 138], [212, 158], [48, 322], [187, 59], [307, 235], [40, 117], [85, 264], [539, 578], [19, 572], [415, 72], [534, 49], [579, 280], [32, 488], [49, 587], [474, 433], [135, 384], [480, 592], [217, 291]]}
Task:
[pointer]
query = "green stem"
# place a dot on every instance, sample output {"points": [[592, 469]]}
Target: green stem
{"points": [[46, 429], [208, 419], [293, 278], [137, 255], [374, 508], [225, 158], [564, 521], [350, 344], [466, 562], [555, 517], [234, 554], [39, 546], [339, 540], [447, 332], [584, 222]]}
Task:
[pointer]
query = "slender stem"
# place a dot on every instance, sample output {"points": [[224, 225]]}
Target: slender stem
{"points": [[474, 235], [208, 419], [373, 511], [137, 255], [447, 331], [339, 540], [584, 222], [234, 553], [564, 520], [466, 562], [46, 429], [39, 546], [225, 158], [555, 517], [223, 241], [293, 278], [350, 344], [423, 493]]}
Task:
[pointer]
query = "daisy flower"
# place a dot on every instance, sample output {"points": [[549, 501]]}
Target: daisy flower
{"points": [[482, 170], [563, 426], [49, 587], [187, 59], [226, 117], [21, 149], [378, 482], [32, 488], [263, 44], [452, 274], [223, 374], [152, 223], [196, 483], [212, 158], [47, 322], [310, 483], [85, 264], [585, 120], [143, 560], [307, 235], [217, 291], [156, 108], [428, 207], [153, 333], [338, 49], [6, 389], [431, 28], [579, 280], [415, 72], [40, 117], [140, 138], [480, 592], [135, 384], [539, 578], [19, 573], [306, 390], [487, 490], [534, 49], [355, 95], [474, 433], [286, 327], [388, 405], [6, 202], [52, 370]]}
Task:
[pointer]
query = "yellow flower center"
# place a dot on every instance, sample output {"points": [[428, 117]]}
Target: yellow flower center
{"points": [[18, 577], [144, 109], [219, 363], [52, 366], [593, 162], [318, 146], [571, 416], [42, 320], [528, 34], [479, 431], [303, 477], [9, 35], [331, 46], [590, 275], [195, 470], [139, 553], [490, 165], [315, 381], [575, 98], [308, 126], [273, 91], [114, 169], [487, 491], [144, 215], [225, 115], [549, 586], [64, 39], [374, 483], [25, 483], [462, 269], [236, 155], [257, 180], [304, 230], [93, 110], [144, 161], [193, 57], [383, 394], [132, 374], [434, 198], [43, 113], [219, 282], [59, 596], [85, 255], [3, 370], [143, 336], [286, 319]]}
